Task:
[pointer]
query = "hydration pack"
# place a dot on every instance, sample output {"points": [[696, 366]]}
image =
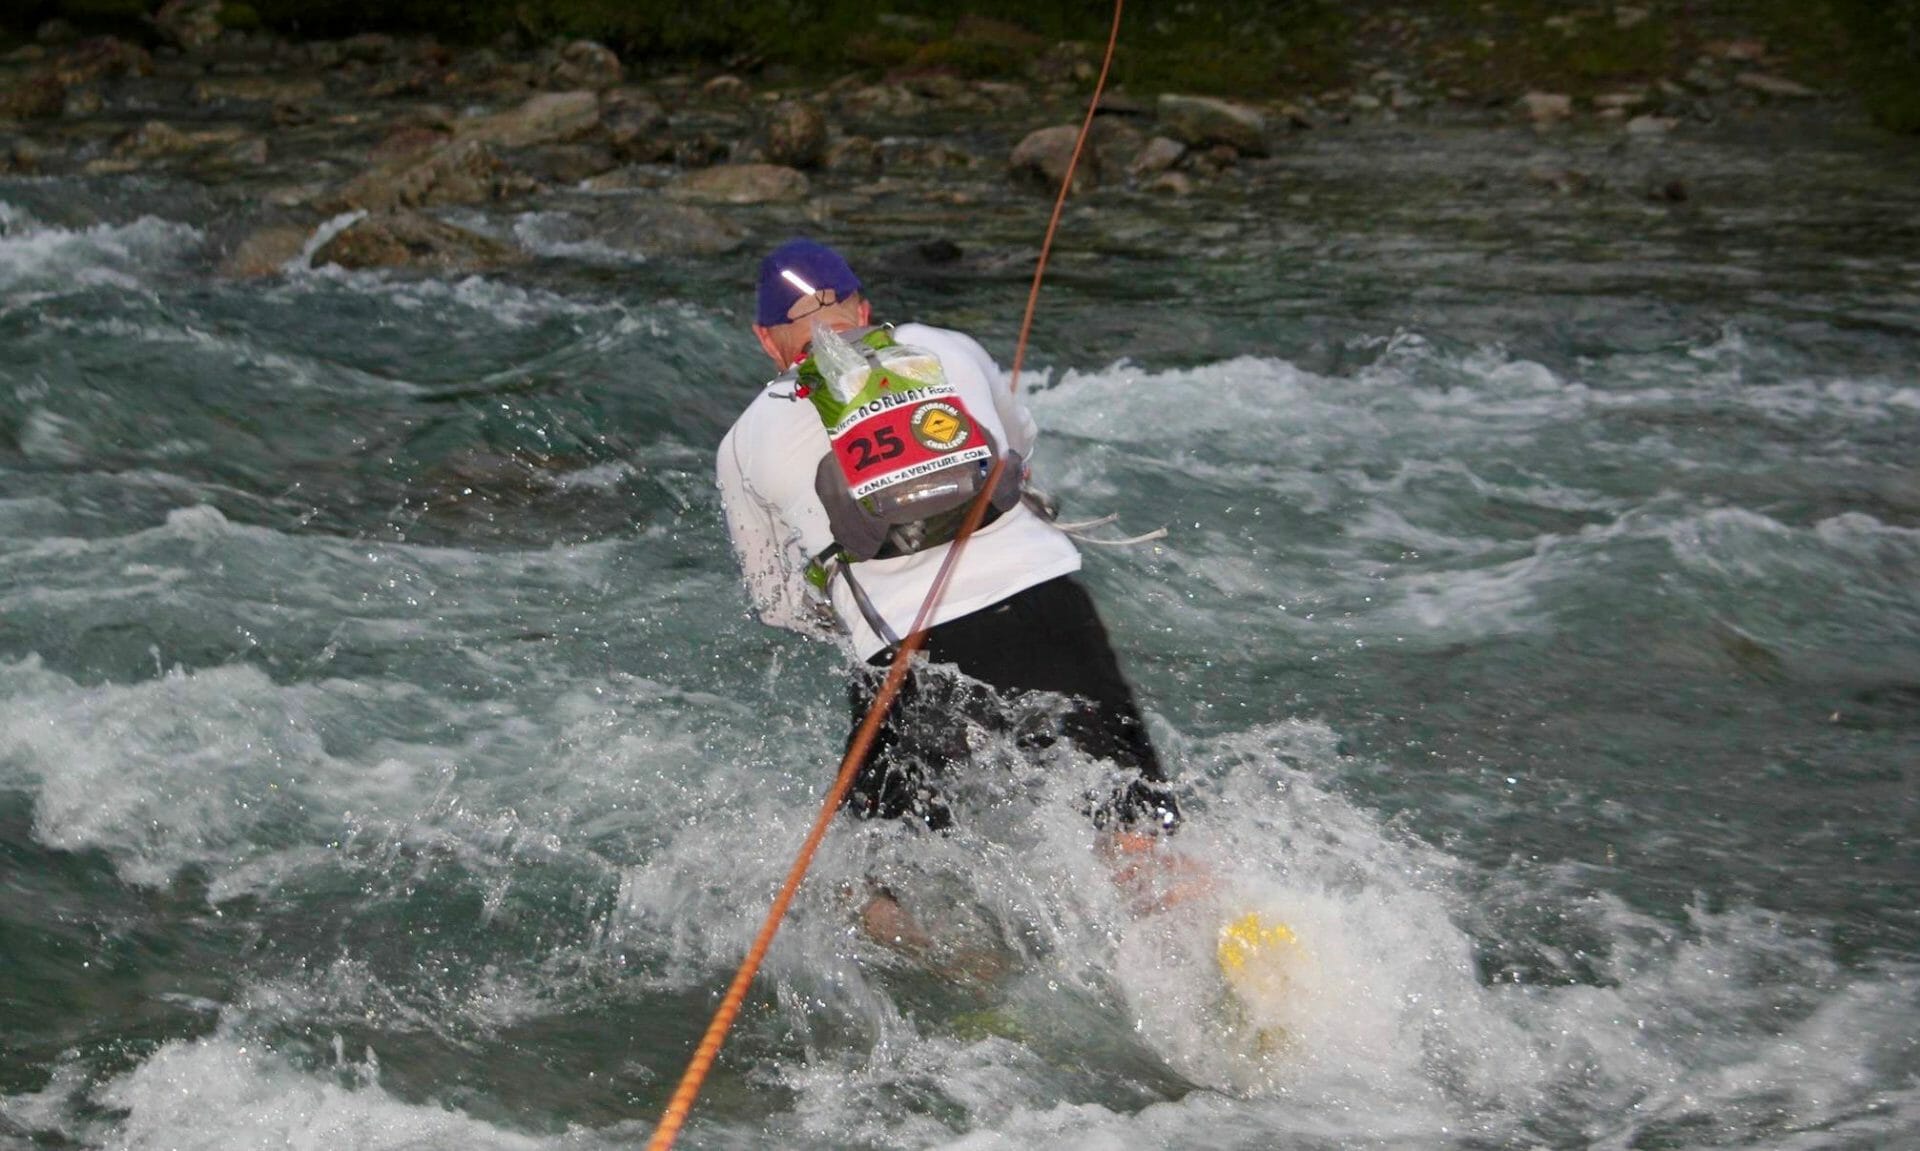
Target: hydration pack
{"points": [[907, 457]]}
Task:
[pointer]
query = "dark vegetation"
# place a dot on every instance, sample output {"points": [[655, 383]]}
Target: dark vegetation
{"points": [[1869, 49]]}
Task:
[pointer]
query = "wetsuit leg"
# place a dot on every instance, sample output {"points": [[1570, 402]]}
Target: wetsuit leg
{"points": [[920, 739], [1050, 638]]}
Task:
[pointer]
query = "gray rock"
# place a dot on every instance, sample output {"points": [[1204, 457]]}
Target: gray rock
{"points": [[1625, 100], [633, 178], [294, 90], [1703, 79], [152, 140], [740, 184], [20, 156], [887, 100], [587, 64], [638, 132], [1201, 120], [411, 240], [1158, 155], [547, 118], [1041, 158], [647, 227], [796, 134], [370, 48], [81, 103], [858, 155], [1546, 109], [102, 57], [700, 150], [563, 164], [265, 251], [36, 96], [463, 172], [1770, 85], [727, 87], [1651, 125], [1113, 137], [1171, 184], [190, 24]]}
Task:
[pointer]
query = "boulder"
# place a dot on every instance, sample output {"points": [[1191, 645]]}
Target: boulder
{"points": [[411, 240], [1042, 157], [648, 227], [1111, 138], [259, 90], [265, 251], [1769, 85], [463, 172], [36, 96], [727, 87], [563, 164], [189, 24], [796, 134], [370, 48], [1746, 51], [152, 140], [1202, 120], [739, 184], [879, 100], [405, 141], [1647, 125], [100, 58], [586, 64], [20, 156], [700, 150], [857, 155], [82, 103], [1171, 184], [1546, 109], [1624, 100], [1157, 155], [547, 118], [638, 132]]}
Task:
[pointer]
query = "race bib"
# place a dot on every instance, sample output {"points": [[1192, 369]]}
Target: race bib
{"points": [[902, 436]]}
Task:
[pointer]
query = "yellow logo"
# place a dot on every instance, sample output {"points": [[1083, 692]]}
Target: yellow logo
{"points": [[940, 427]]}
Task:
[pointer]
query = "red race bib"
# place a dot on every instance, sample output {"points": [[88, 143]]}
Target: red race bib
{"points": [[903, 436]]}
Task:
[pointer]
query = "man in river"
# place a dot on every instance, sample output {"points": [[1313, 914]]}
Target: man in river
{"points": [[1012, 621]]}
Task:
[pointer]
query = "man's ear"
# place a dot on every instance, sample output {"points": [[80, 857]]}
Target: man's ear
{"points": [[866, 311], [767, 342]]}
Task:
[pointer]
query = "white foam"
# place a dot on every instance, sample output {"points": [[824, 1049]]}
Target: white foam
{"points": [[226, 1092], [161, 774], [508, 305], [38, 258]]}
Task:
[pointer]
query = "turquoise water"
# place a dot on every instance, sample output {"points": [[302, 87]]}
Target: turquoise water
{"points": [[387, 758]]}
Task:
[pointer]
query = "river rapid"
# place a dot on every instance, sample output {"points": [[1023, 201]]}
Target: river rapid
{"points": [[388, 758]]}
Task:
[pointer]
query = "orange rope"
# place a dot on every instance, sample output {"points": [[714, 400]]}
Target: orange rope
{"points": [[704, 1055]]}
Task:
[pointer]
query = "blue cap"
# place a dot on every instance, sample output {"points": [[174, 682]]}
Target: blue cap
{"points": [[821, 269]]}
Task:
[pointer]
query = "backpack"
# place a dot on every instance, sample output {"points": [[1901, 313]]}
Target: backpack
{"points": [[907, 457]]}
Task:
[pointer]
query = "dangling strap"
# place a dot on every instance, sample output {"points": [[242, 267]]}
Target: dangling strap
{"points": [[832, 561]]}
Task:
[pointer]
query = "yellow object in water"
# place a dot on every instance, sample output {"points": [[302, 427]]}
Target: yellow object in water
{"points": [[1258, 957], [1250, 938]]}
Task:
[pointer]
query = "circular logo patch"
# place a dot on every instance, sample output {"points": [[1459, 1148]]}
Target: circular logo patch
{"points": [[939, 426]]}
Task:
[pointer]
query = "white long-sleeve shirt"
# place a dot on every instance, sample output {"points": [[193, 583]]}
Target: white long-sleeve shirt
{"points": [[766, 467]]}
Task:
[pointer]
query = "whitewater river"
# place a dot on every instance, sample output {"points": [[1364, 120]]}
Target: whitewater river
{"points": [[388, 759]]}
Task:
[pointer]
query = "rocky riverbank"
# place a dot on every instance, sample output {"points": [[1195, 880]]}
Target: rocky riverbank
{"points": [[384, 151]]}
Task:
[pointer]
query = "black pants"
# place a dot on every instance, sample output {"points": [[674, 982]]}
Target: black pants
{"points": [[1047, 638]]}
